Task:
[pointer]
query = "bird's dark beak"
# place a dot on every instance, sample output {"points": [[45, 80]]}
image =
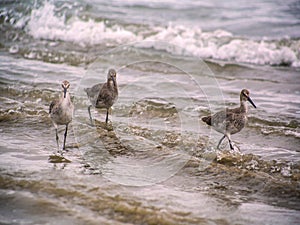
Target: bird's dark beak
{"points": [[114, 81], [65, 92], [252, 103]]}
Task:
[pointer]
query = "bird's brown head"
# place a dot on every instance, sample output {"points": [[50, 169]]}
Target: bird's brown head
{"points": [[112, 75], [245, 96], [65, 85]]}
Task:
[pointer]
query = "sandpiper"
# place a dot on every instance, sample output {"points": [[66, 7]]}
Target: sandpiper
{"points": [[61, 111], [103, 95], [230, 121]]}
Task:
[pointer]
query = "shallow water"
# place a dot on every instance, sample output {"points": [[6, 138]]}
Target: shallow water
{"points": [[156, 162]]}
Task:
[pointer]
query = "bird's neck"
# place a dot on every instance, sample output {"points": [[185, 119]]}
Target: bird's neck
{"points": [[244, 107], [65, 98], [111, 85]]}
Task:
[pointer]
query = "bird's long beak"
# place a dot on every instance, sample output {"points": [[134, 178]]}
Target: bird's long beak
{"points": [[252, 103], [113, 79], [65, 92]]}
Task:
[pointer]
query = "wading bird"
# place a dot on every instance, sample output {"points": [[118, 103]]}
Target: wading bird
{"points": [[61, 111], [230, 121], [103, 95]]}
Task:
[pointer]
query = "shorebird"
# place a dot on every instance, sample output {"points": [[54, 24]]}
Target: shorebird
{"points": [[230, 121], [103, 95], [61, 111]]}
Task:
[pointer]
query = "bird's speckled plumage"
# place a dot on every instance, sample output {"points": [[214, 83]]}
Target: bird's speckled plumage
{"points": [[103, 95], [231, 121], [61, 111]]}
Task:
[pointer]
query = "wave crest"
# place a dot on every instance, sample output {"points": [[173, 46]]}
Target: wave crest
{"points": [[49, 22]]}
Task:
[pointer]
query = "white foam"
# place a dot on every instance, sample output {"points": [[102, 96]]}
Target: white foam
{"points": [[256, 52], [223, 45], [45, 23], [286, 171], [14, 49]]}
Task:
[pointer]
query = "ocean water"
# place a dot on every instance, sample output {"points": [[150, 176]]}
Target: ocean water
{"points": [[156, 162]]}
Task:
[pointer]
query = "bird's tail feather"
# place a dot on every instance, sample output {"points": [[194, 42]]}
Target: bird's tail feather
{"points": [[207, 120]]}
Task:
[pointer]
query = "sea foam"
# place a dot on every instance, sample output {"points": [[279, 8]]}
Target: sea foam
{"points": [[223, 45], [45, 23]]}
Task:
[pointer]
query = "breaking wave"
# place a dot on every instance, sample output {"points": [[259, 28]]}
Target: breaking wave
{"points": [[53, 23]]}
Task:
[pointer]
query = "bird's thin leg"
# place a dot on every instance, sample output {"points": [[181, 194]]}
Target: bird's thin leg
{"points": [[106, 120], [230, 143], [57, 139], [65, 137], [89, 109], [231, 146], [218, 147]]}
